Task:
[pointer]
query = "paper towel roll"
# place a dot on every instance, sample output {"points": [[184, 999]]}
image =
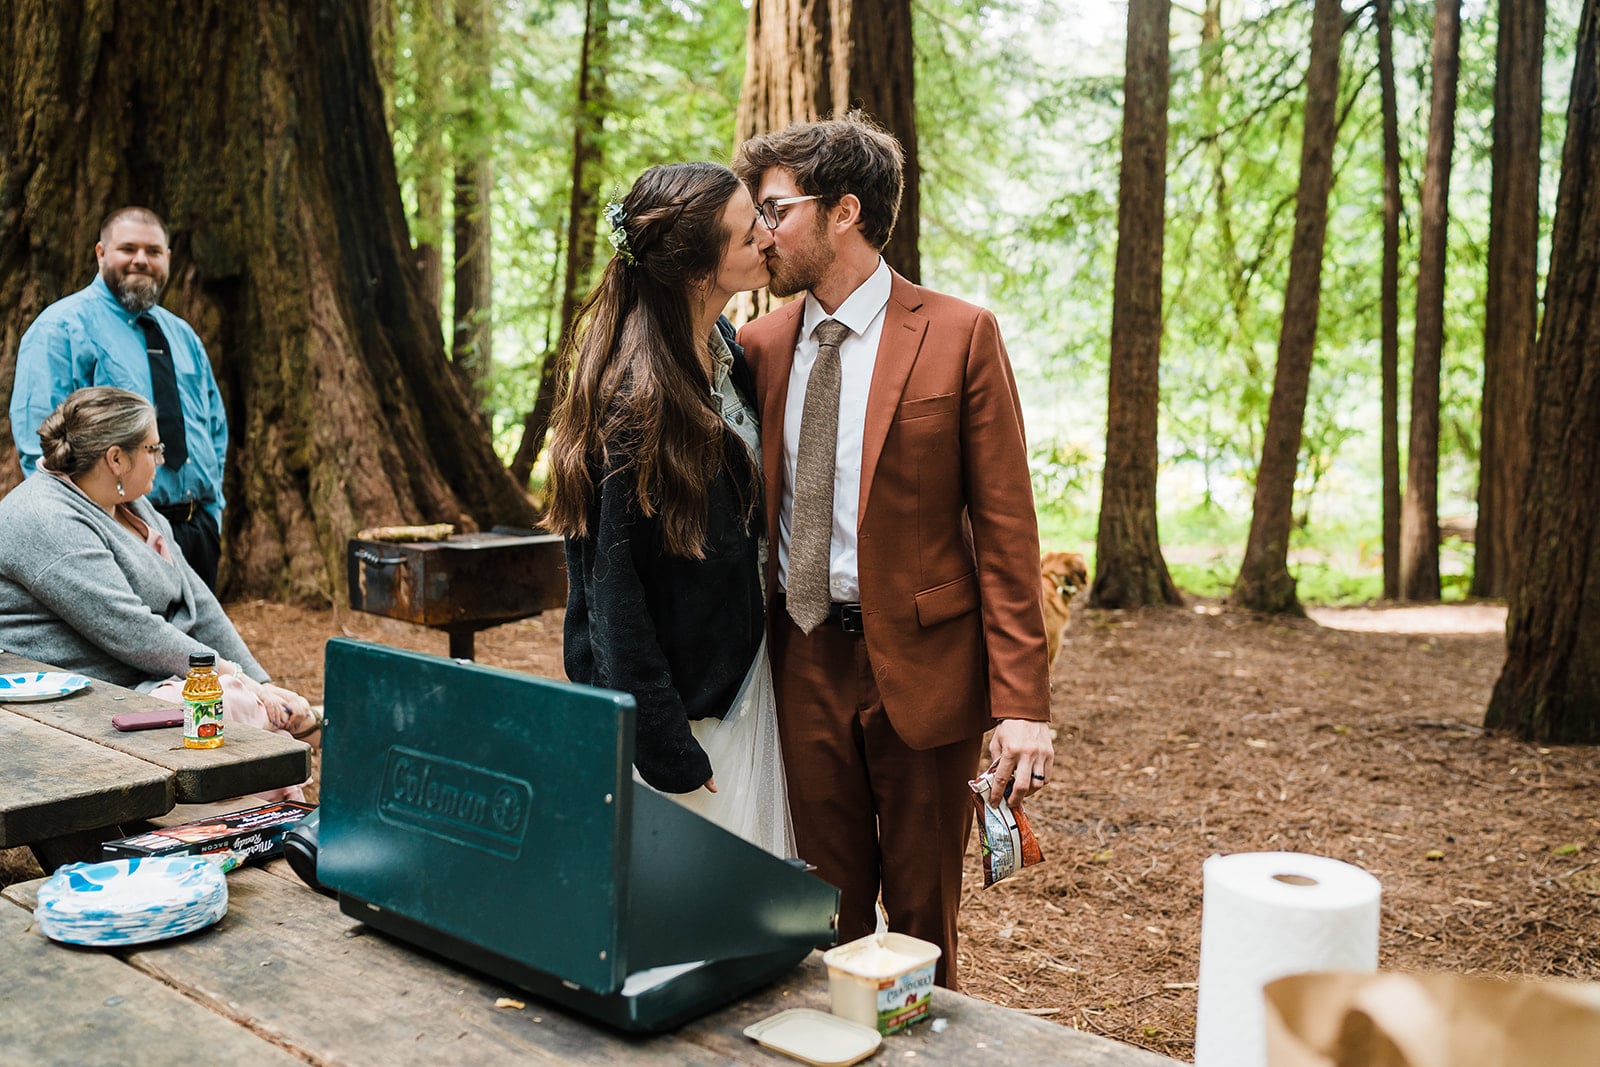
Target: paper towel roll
{"points": [[1266, 915]]}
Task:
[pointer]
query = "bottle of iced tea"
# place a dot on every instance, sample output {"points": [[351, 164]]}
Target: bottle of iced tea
{"points": [[202, 703]]}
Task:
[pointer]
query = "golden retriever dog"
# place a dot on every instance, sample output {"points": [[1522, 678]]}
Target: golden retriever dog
{"points": [[1061, 575]]}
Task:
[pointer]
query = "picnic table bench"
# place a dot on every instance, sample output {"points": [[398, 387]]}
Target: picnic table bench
{"points": [[72, 778], [287, 978]]}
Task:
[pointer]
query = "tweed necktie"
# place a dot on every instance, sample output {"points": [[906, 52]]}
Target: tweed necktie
{"points": [[811, 523], [164, 387]]}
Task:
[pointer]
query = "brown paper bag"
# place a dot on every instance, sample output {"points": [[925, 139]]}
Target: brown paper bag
{"points": [[1430, 1020]]}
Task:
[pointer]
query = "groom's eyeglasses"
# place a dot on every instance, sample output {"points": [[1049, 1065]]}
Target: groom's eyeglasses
{"points": [[769, 208]]}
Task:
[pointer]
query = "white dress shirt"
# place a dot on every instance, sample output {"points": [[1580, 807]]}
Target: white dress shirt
{"points": [[863, 312]]}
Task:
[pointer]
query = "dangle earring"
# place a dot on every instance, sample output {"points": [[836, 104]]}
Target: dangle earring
{"points": [[120, 493]]}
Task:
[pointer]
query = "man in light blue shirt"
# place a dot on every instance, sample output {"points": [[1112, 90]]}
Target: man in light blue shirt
{"points": [[114, 333]]}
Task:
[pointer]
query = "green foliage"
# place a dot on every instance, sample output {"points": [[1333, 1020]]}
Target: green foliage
{"points": [[673, 76]]}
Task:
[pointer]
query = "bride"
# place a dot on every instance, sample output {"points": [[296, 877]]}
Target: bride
{"points": [[656, 486]]}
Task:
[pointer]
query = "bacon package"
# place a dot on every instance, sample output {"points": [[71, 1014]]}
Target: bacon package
{"points": [[253, 833], [1005, 839]]}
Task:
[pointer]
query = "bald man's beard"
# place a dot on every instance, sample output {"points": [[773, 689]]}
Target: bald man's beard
{"points": [[137, 292]]}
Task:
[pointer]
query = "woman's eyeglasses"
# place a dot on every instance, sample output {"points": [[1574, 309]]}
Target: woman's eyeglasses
{"points": [[157, 450]]}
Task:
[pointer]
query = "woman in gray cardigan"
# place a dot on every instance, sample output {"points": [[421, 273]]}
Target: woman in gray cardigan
{"points": [[91, 580]]}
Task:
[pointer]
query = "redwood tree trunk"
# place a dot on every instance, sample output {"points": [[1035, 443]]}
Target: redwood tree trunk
{"points": [[1264, 582], [583, 219], [811, 59], [1511, 305], [290, 258], [1389, 358], [431, 43], [1129, 569], [1550, 687], [1419, 513], [380, 16], [472, 349]]}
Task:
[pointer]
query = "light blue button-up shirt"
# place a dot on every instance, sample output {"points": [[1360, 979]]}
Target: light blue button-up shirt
{"points": [[90, 339]]}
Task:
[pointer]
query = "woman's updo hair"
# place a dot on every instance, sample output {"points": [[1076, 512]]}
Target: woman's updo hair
{"points": [[88, 423], [673, 221]]}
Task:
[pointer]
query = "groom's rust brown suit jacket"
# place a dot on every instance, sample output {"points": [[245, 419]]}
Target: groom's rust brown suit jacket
{"points": [[948, 553]]}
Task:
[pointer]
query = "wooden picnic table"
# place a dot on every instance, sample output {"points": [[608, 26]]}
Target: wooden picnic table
{"points": [[72, 777], [287, 978]]}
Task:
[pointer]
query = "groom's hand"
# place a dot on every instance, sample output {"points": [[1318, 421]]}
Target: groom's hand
{"points": [[1022, 753]]}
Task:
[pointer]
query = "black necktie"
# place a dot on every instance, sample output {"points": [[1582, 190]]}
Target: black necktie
{"points": [[164, 384]]}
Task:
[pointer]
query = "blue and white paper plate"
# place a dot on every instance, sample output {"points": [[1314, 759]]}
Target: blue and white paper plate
{"points": [[131, 901], [39, 685]]}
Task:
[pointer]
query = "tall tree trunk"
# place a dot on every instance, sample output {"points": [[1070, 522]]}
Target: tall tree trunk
{"points": [[1264, 582], [380, 13], [583, 219], [1549, 689], [811, 59], [431, 41], [1511, 305], [1419, 512], [1389, 359], [1214, 89], [342, 407], [1129, 569], [472, 349]]}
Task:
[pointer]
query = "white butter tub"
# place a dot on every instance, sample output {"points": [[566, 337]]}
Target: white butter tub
{"points": [[882, 980]]}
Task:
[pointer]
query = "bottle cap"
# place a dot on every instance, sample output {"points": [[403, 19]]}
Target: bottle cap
{"points": [[202, 659]]}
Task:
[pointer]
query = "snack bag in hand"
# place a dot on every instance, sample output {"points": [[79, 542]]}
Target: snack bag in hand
{"points": [[1005, 839]]}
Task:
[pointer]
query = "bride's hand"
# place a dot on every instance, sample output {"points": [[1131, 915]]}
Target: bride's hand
{"points": [[287, 709]]}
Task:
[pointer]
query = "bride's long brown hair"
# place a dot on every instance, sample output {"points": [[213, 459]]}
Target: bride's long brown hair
{"points": [[633, 396]]}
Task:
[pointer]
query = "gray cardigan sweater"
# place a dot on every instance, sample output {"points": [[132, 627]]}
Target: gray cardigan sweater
{"points": [[82, 593]]}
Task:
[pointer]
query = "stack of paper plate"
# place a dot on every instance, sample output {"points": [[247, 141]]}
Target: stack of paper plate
{"points": [[131, 901], [39, 685]]}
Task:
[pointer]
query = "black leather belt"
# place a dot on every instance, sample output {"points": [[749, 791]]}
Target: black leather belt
{"points": [[846, 617], [184, 512]]}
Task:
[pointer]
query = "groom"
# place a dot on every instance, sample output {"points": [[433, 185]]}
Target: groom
{"points": [[907, 621]]}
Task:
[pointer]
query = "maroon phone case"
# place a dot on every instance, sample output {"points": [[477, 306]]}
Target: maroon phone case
{"points": [[147, 720]]}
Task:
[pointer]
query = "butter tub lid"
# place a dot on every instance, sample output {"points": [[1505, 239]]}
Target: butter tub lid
{"points": [[816, 1037]]}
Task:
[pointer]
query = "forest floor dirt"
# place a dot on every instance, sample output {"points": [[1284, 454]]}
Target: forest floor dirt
{"points": [[1181, 733]]}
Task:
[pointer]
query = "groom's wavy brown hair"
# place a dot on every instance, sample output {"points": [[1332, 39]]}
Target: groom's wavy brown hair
{"points": [[831, 158]]}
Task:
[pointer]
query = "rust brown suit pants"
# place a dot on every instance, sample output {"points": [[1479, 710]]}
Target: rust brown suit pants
{"points": [[872, 814]]}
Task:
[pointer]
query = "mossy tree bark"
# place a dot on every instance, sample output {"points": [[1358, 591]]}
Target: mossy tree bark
{"points": [[1549, 689], [1129, 568], [1264, 582], [290, 258], [813, 59]]}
